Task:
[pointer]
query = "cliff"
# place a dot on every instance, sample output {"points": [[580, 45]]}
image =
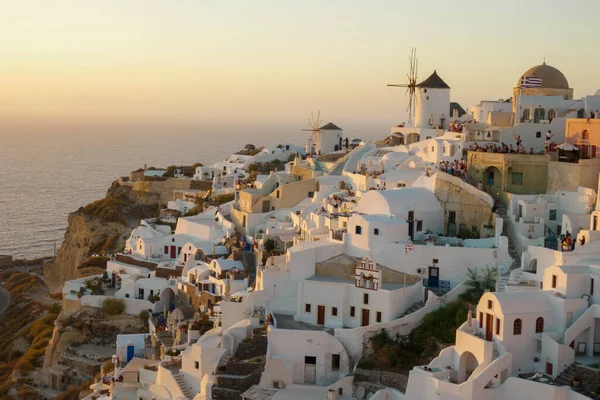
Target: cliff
{"points": [[100, 228]]}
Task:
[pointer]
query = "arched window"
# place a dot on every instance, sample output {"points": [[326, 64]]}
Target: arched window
{"points": [[539, 325], [585, 135], [539, 114], [517, 326]]}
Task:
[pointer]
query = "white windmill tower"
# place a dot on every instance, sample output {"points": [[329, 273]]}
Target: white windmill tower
{"points": [[314, 123], [324, 139]]}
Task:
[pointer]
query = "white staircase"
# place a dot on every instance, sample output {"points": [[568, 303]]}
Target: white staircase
{"points": [[501, 283], [184, 388]]}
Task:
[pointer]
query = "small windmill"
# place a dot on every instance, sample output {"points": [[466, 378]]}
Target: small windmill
{"points": [[411, 86], [314, 124]]}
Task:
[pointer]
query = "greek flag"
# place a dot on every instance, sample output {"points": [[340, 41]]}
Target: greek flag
{"points": [[531, 82]]}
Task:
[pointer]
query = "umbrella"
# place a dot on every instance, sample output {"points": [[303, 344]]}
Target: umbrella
{"points": [[567, 147]]}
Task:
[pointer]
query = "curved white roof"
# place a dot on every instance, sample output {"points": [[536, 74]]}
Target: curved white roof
{"points": [[520, 302], [398, 202]]}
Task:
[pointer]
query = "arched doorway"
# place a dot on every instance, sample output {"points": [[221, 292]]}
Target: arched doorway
{"points": [[412, 138], [492, 176], [168, 299], [466, 365], [200, 255]]}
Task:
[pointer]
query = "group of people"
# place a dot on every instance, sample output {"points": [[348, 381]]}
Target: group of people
{"points": [[455, 167], [456, 127], [568, 243]]}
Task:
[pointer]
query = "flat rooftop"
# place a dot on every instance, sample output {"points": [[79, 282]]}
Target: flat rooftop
{"points": [[333, 279]]}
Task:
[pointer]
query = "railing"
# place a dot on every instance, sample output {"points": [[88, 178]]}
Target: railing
{"points": [[445, 285]]}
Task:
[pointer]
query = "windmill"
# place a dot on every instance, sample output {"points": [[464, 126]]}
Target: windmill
{"points": [[411, 86], [314, 123]]}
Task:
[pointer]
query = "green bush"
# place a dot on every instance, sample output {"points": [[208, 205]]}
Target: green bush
{"points": [[55, 308], [113, 306], [106, 209], [269, 245]]}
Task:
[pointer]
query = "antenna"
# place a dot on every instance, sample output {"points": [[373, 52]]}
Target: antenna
{"points": [[411, 86]]}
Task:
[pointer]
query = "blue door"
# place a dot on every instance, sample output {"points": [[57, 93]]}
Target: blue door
{"points": [[434, 277], [130, 352]]}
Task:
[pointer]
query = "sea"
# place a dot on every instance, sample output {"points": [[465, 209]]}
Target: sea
{"points": [[44, 177]]}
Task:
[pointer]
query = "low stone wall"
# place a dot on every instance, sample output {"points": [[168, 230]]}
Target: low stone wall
{"points": [[390, 379], [133, 261]]}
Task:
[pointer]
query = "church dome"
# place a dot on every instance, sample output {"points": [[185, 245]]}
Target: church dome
{"points": [[551, 77]]}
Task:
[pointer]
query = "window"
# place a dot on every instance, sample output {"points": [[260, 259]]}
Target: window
{"points": [[538, 135], [172, 240], [552, 215], [307, 307], [497, 326], [376, 231], [126, 295], [401, 184], [365, 298], [277, 194], [481, 320], [451, 217], [517, 326], [435, 261], [166, 249], [310, 360], [196, 365], [517, 178], [526, 115], [539, 325], [352, 311], [432, 148], [592, 287], [553, 281], [378, 316], [419, 226], [531, 228], [358, 230], [311, 194], [335, 362], [490, 304], [334, 311], [427, 97]]}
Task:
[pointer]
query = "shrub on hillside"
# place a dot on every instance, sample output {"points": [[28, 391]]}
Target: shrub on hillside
{"points": [[113, 306], [106, 208]]}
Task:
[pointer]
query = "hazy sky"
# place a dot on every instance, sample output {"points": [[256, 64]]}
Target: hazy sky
{"points": [[86, 65]]}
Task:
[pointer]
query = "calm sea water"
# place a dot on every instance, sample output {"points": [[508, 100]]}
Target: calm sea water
{"points": [[45, 177]]}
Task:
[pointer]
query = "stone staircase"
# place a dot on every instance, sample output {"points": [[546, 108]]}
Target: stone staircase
{"points": [[589, 378], [501, 284], [413, 308], [243, 370], [512, 250], [249, 261], [186, 390]]}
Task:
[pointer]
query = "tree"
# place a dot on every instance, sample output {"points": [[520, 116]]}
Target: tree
{"points": [[269, 245], [113, 306], [478, 282]]}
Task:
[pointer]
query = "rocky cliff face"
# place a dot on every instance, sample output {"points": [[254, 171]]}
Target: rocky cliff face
{"points": [[101, 227]]}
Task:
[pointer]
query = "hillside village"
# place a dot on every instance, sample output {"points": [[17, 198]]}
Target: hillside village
{"points": [[456, 258]]}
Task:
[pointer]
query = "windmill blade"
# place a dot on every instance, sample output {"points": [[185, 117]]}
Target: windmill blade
{"points": [[400, 85]]}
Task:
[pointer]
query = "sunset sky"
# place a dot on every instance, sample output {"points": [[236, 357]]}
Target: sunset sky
{"points": [[188, 64]]}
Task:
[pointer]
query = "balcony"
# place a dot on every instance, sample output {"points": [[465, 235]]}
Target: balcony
{"points": [[436, 284]]}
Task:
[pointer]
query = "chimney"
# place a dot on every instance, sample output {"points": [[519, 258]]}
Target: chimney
{"points": [[331, 394]]}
